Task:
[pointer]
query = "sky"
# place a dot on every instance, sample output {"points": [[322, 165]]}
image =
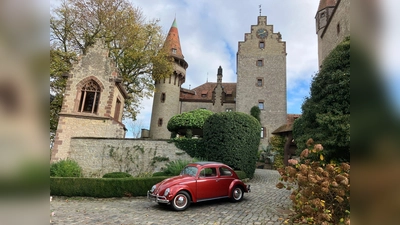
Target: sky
{"points": [[209, 32]]}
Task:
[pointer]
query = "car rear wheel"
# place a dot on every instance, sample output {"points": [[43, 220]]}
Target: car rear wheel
{"points": [[237, 194], [181, 201]]}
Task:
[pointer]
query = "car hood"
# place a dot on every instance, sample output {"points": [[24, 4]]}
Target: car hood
{"points": [[181, 179]]}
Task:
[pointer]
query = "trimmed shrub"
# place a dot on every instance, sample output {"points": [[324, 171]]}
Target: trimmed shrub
{"points": [[232, 138], [117, 175], [102, 188], [321, 191], [189, 120], [241, 174], [255, 112], [192, 147], [159, 174], [65, 168]]}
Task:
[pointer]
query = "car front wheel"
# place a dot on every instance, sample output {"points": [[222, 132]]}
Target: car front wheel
{"points": [[237, 194], [181, 201]]}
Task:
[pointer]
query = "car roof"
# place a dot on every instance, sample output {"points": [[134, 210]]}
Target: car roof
{"points": [[202, 163]]}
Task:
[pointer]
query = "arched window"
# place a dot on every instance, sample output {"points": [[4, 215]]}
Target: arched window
{"points": [[90, 95]]}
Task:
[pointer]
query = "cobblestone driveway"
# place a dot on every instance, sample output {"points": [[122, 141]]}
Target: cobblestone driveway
{"points": [[264, 205]]}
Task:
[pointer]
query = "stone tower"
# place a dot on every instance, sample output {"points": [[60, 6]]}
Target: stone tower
{"points": [[93, 101], [167, 90], [332, 22], [324, 13], [261, 76]]}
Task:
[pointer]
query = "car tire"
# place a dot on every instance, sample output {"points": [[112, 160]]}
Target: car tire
{"points": [[181, 201], [237, 194]]}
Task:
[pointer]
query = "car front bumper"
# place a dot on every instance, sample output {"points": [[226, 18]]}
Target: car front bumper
{"points": [[156, 198]]}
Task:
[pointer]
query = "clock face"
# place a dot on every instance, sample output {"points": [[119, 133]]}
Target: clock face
{"points": [[262, 33]]}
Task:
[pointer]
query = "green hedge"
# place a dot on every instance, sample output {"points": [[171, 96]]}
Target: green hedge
{"points": [[102, 188], [241, 174], [117, 175], [192, 147], [232, 138], [189, 120]]}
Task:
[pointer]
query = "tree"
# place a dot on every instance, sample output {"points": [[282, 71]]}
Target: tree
{"points": [[60, 64], [135, 44], [326, 113]]}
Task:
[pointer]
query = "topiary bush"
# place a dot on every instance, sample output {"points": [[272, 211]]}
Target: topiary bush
{"points": [[321, 191], [255, 112], [65, 168], [192, 147], [117, 175], [188, 120], [232, 138]]}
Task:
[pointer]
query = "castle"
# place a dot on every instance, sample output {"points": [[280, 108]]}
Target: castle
{"points": [[261, 82], [91, 114]]}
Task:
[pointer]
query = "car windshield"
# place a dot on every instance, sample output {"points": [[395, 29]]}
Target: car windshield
{"points": [[189, 170]]}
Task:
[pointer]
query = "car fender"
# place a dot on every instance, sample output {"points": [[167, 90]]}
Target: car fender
{"points": [[234, 183], [182, 187]]}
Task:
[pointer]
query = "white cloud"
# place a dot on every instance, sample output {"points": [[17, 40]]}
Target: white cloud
{"points": [[209, 32]]}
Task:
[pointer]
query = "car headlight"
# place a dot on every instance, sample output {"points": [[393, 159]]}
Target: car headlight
{"points": [[153, 188], [166, 192]]}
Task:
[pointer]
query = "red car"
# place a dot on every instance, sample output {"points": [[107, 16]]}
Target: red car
{"points": [[199, 181]]}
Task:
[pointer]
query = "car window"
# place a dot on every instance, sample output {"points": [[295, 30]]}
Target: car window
{"points": [[189, 170], [208, 172], [225, 171]]}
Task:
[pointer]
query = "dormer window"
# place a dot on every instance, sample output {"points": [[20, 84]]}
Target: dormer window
{"points": [[174, 51]]}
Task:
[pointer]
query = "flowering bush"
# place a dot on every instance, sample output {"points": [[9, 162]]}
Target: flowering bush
{"points": [[321, 191]]}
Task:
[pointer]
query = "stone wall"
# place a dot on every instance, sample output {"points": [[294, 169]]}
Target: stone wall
{"points": [[98, 156]]}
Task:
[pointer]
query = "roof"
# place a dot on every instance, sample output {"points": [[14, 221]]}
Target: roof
{"points": [[325, 4], [288, 126], [172, 41], [204, 92]]}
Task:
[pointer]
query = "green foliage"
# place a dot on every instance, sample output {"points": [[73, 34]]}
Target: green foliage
{"points": [[65, 168], [326, 113], [102, 188], [117, 175], [255, 112], [192, 147], [232, 138], [60, 64], [277, 144], [321, 192], [241, 174], [159, 174], [174, 168], [189, 120]]}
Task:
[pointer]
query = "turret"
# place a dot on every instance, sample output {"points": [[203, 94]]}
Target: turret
{"points": [[167, 90]]}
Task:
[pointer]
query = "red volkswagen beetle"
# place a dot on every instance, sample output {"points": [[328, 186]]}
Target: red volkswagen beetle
{"points": [[199, 181]]}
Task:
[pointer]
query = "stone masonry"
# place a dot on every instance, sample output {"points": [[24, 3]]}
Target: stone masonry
{"points": [[98, 156], [272, 73]]}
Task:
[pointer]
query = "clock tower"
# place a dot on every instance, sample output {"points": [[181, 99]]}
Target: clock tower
{"points": [[261, 76]]}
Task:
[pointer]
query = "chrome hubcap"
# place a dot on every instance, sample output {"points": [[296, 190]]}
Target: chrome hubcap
{"points": [[180, 201], [237, 193]]}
